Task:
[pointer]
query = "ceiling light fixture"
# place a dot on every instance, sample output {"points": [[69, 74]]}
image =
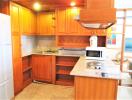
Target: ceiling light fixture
{"points": [[37, 6], [72, 3]]}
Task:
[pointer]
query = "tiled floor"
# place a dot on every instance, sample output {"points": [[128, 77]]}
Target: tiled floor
{"points": [[56, 92]]}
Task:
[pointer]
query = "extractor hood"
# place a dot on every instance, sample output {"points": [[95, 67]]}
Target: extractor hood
{"points": [[97, 18]]}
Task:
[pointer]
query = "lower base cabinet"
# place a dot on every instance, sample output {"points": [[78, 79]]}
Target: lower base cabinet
{"points": [[89, 88], [42, 67]]}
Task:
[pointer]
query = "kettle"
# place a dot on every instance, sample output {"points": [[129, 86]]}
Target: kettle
{"points": [[93, 41]]}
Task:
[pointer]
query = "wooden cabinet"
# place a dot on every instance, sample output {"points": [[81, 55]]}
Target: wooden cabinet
{"points": [[45, 23], [16, 45], [18, 77], [64, 65], [42, 68], [61, 21], [68, 25], [15, 26], [4, 7], [90, 88], [17, 64], [27, 70], [27, 22]]}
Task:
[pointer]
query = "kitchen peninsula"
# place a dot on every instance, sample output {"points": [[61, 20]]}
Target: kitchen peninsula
{"points": [[95, 84]]}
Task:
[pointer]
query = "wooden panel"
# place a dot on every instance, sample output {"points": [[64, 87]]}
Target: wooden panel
{"points": [[73, 41], [107, 15], [45, 23], [49, 4], [26, 63], [4, 7], [71, 61], [100, 4], [61, 21], [67, 25], [16, 47], [18, 77], [106, 89], [72, 24], [64, 65], [15, 27], [42, 68]]}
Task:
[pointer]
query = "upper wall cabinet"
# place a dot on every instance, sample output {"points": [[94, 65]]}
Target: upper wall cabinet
{"points": [[45, 23], [4, 7], [66, 23], [28, 21], [14, 11]]}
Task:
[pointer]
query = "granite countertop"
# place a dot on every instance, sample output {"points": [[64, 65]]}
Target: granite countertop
{"points": [[109, 70], [48, 53]]}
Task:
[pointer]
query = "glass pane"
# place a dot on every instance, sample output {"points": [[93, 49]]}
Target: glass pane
{"points": [[120, 14], [117, 28], [128, 33], [123, 3], [119, 22], [128, 21], [129, 13]]}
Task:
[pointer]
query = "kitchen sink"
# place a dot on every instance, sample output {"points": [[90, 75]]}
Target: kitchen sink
{"points": [[94, 65]]}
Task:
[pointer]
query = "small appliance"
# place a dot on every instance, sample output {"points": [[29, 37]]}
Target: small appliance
{"points": [[95, 53]]}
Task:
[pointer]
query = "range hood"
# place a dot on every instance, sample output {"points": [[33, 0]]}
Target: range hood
{"points": [[97, 18]]}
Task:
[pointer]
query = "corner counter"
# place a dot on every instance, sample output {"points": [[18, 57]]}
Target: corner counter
{"points": [[91, 85]]}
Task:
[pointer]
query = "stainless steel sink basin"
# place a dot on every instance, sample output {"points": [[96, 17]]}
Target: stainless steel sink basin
{"points": [[94, 65]]}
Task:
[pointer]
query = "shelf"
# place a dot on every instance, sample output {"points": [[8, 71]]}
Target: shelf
{"points": [[64, 72], [27, 69], [65, 82], [66, 65], [27, 82]]}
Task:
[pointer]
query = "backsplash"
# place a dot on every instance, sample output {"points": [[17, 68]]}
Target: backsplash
{"points": [[28, 44], [45, 42]]}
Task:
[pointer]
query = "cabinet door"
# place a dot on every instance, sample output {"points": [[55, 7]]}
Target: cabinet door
{"points": [[33, 23], [61, 21], [72, 24], [17, 64], [18, 76], [45, 23], [15, 26], [42, 70]]}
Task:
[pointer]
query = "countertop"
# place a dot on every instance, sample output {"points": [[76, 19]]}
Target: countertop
{"points": [[49, 53], [111, 70]]}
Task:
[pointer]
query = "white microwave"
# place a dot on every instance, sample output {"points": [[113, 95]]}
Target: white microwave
{"points": [[95, 53]]}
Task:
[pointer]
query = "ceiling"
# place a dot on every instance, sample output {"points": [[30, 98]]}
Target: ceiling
{"points": [[49, 4]]}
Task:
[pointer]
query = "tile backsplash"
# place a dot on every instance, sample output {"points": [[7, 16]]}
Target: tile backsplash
{"points": [[28, 44], [33, 43], [45, 41]]}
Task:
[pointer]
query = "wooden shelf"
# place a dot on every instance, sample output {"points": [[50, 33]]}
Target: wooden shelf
{"points": [[65, 82], [66, 65], [27, 82], [27, 69], [64, 72]]}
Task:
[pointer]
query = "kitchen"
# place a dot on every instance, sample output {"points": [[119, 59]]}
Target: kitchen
{"points": [[66, 50]]}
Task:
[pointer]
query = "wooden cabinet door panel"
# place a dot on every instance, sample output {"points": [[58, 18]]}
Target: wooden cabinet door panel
{"points": [[45, 23], [16, 47], [42, 68], [18, 77], [61, 21], [15, 19], [72, 24]]}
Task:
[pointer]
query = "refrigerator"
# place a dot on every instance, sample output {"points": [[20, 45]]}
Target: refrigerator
{"points": [[6, 67]]}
